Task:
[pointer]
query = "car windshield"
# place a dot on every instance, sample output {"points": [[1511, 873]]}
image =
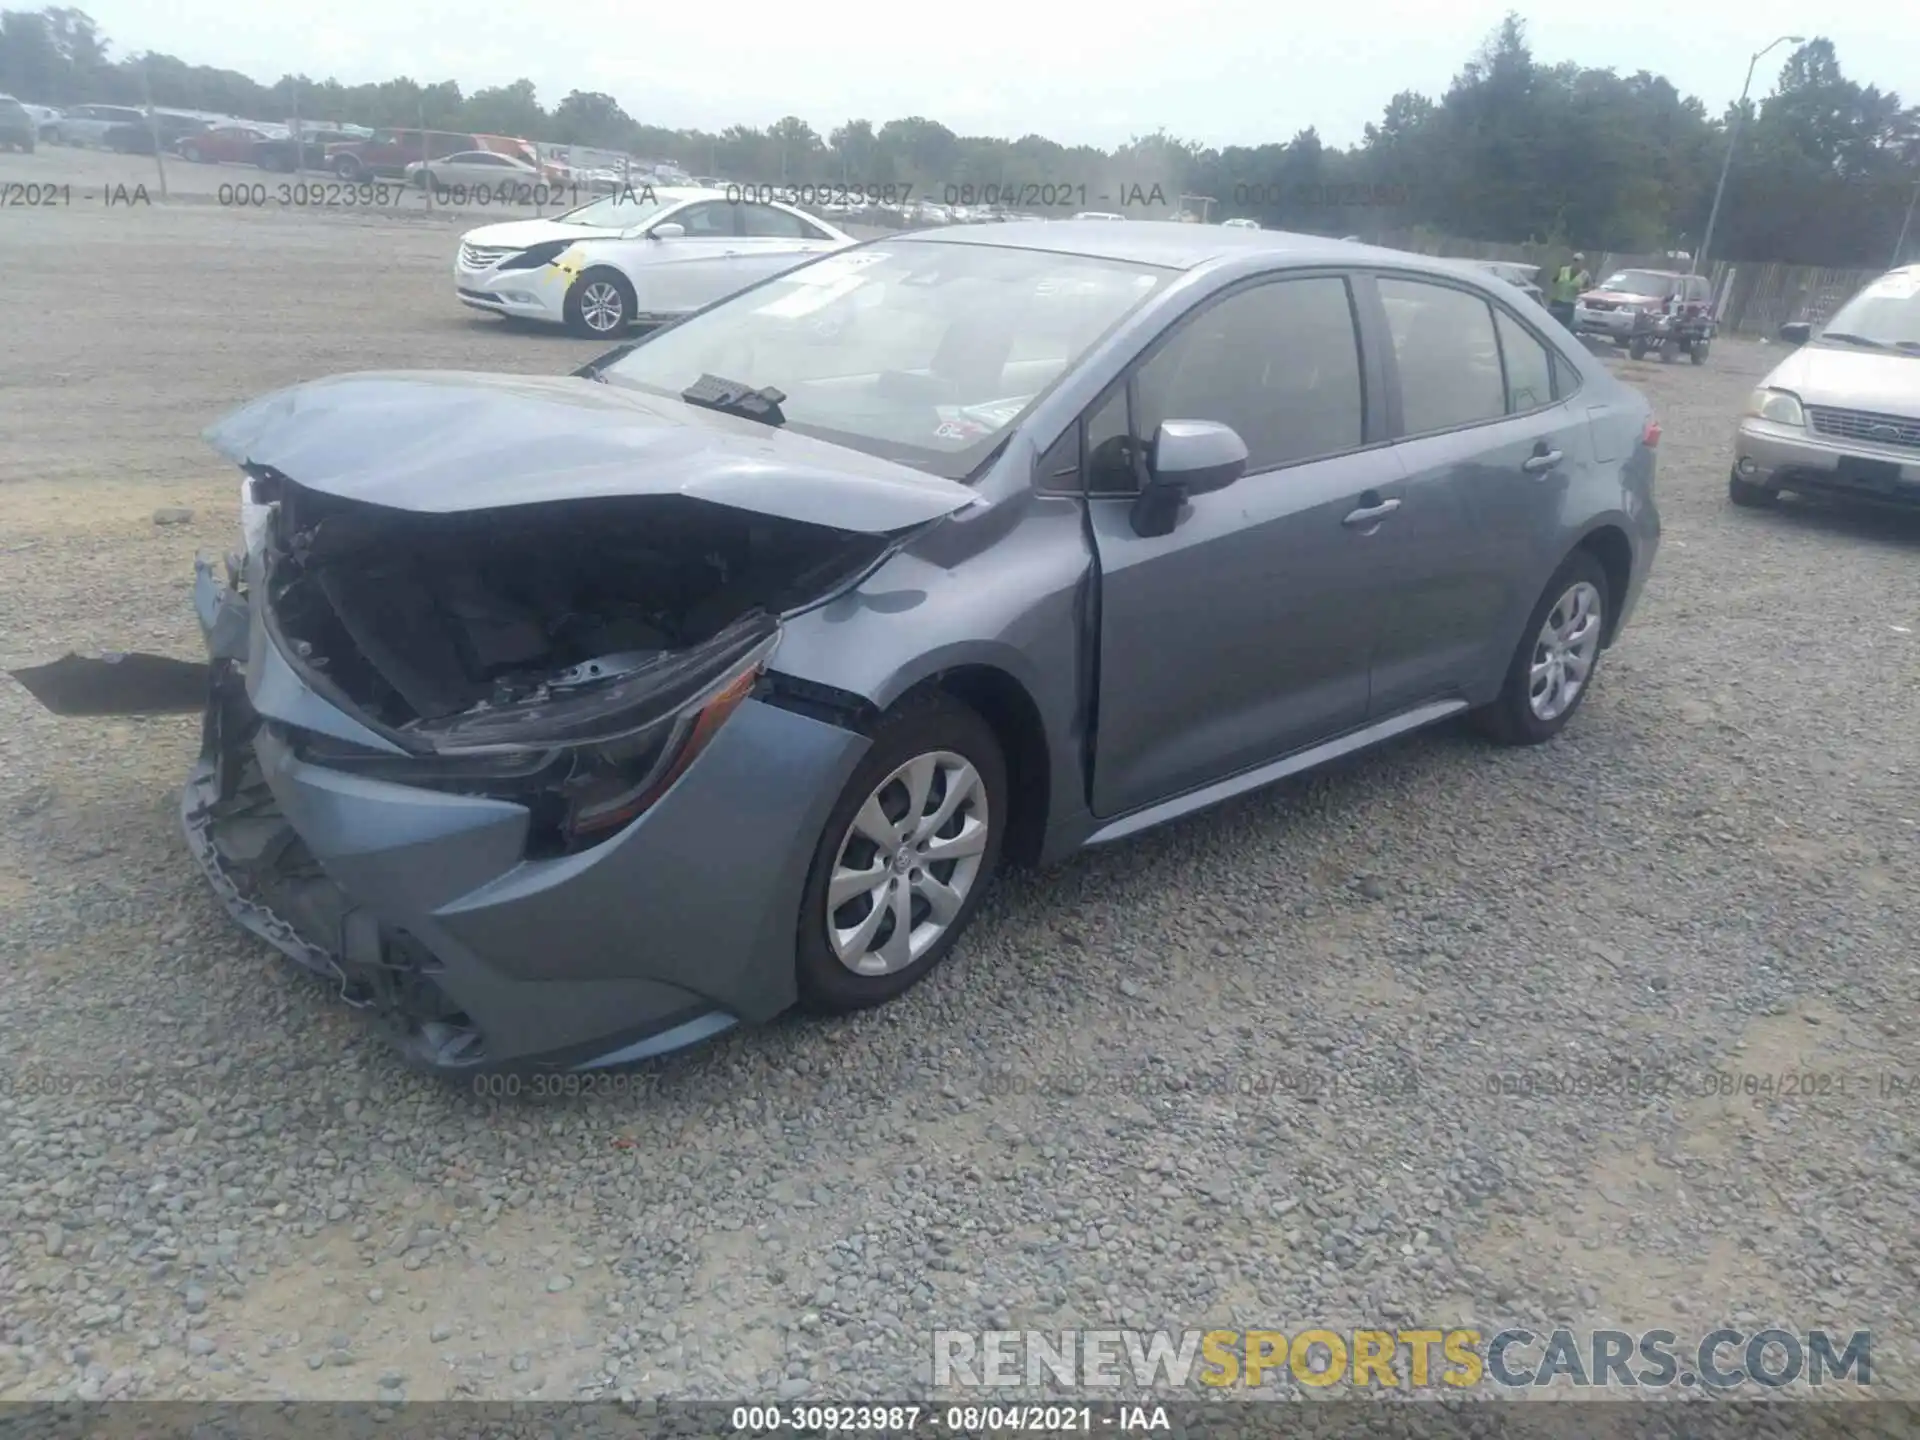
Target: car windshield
{"points": [[1886, 313], [1639, 282], [916, 351], [634, 205]]}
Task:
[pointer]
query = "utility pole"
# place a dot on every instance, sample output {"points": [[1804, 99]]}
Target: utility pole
{"points": [[1733, 139], [153, 125], [299, 142]]}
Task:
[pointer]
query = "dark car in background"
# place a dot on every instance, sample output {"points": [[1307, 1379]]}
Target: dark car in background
{"points": [[136, 137], [18, 128], [388, 153], [565, 721], [280, 153]]}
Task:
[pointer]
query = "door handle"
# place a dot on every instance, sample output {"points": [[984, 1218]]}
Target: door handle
{"points": [[1368, 514], [1539, 464]]}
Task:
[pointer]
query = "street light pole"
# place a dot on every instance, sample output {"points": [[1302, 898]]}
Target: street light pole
{"points": [[1733, 139]]}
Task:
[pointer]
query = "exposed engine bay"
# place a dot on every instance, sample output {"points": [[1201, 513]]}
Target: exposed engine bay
{"points": [[423, 620]]}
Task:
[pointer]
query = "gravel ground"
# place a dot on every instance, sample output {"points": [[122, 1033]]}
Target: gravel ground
{"points": [[1235, 1073]]}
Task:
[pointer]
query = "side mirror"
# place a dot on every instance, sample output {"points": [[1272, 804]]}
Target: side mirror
{"points": [[1796, 332], [668, 231], [1186, 458]]}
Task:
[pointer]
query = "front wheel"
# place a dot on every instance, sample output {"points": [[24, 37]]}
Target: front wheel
{"points": [[348, 168], [1554, 665], [1698, 352], [1637, 348], [191, 153], [1748, 495], [904, 858], [601, 303]]}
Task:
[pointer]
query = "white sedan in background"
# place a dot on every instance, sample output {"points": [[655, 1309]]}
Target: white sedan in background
{"points": [[643, 255]]}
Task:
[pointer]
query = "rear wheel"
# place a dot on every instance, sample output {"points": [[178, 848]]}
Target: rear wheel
{"points": [[1553, 667], [1637, 348], [601, 303], [190, 152], [1697, 352], [904, 857], [348, 167], [1749, 495]]}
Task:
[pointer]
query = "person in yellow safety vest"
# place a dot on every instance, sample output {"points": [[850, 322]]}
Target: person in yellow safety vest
{"points": [[1569, 281]]}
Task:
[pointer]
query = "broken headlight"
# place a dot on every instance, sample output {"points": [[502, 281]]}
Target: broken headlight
{"points": [[586, 764]]}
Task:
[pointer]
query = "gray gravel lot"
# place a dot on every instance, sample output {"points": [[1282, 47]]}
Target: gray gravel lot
{"points": [[1234, 1074]]}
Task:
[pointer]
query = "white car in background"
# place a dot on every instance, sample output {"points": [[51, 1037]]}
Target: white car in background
{"points": [[641, 256], [1240, 223], [1098, 215]]}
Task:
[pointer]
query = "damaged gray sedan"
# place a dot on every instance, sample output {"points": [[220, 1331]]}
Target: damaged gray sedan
{"points": [[568, 721]]}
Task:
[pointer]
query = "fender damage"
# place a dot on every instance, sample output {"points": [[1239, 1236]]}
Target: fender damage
{"points": [[487, 704]]}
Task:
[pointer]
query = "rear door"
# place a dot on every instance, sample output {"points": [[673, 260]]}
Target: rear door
{"points": [[1490, 447], [1244, 633]]}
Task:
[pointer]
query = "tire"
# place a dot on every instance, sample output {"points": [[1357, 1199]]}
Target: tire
{"points": [[1697, 352], [1637, 348], [1512, 719], [190, 153], [588, 300], [932, 724], [1750, 496], [347, 168]]}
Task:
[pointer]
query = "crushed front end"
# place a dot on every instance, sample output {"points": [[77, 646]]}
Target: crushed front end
{"points": [[517, 782]]}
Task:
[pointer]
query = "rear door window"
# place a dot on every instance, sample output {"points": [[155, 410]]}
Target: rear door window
{"points": [[1447, 355], [1527, 364]]}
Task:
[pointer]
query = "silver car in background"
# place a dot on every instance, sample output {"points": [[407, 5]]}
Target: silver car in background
{"points": [[1841, 415]]}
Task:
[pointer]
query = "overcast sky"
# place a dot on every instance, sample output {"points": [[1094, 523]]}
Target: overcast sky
{"points": [[1219, 71]]}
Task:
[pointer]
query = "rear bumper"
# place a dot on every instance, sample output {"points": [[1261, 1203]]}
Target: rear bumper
{"points": [[1790, 457], [423, 908]]}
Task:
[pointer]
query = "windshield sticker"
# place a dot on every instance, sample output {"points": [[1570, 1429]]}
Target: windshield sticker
{"points": [[813, 297], [837, 268]]}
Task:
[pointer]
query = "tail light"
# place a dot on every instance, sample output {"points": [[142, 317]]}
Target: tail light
{"points": [[1650, 434]]}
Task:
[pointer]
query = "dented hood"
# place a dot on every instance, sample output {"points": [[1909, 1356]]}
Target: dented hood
{"points": [[438, 442]]}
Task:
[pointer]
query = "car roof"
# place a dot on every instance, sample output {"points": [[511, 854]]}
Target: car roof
{"points": [[1171, 244]]}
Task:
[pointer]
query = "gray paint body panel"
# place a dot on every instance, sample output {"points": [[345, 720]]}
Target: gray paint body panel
{"points": [[1257, 637], [442, 442]]}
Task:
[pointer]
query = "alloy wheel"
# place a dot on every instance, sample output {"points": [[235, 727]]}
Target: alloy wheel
{"points": [[908, 861], [601, 306], [1564, 652]]}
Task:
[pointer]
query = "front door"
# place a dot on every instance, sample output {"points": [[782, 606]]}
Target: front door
{"points": [[1245, 633]]}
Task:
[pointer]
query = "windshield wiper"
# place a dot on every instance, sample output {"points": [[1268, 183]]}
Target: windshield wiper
{"points": [[734, 397], [1845, 339], [596, 368]]}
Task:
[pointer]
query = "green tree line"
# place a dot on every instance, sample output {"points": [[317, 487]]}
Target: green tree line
{"points": [[1514, 150]]}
